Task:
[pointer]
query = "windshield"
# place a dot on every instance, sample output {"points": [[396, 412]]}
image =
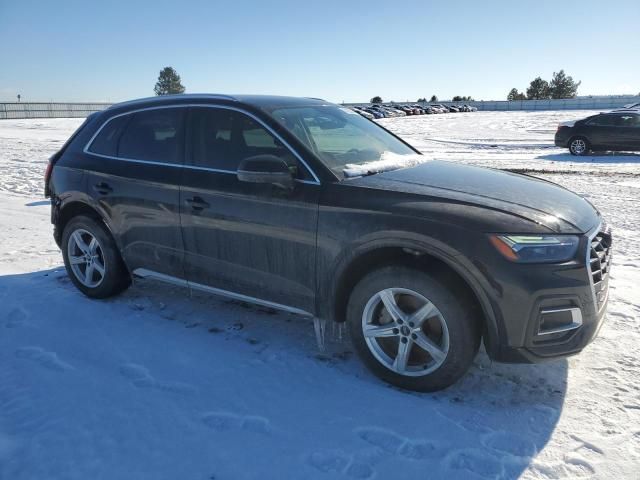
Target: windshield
{"points": [[349, 144]]}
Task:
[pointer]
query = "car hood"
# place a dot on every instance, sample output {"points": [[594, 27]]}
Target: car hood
{"points": [[540, 201]]}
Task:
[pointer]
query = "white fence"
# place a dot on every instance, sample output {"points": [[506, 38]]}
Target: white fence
{"points": [[80, 110], [49, 110], [581, 103]]}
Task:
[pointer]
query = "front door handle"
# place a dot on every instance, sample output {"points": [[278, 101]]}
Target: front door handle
{"points": [[197, 203], [102, 188]]}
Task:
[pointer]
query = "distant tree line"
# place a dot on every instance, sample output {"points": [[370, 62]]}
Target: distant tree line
{"points": [[457, 98], [424, 100], [560, 86]]}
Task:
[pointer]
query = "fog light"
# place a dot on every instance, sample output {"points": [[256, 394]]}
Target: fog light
{"points": [[559, 320]]}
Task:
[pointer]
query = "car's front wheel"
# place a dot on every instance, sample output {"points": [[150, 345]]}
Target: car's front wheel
{"points": [[411, 329], [579, 146], [92, 259]]}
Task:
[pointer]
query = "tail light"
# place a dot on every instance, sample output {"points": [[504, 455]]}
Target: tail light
{"points": [[47, 177]]}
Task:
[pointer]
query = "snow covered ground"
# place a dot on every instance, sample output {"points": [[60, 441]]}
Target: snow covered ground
{"points": [[154, 384]]}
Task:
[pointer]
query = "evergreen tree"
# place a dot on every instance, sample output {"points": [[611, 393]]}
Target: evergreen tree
{"points": [[513, 94], [433, 98], [168, 82], [376, 99], [538, 89], [421, 100], [563, 86]]}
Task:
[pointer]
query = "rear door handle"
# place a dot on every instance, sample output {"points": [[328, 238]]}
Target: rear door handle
{"points": [[197, 203], [102, 188]]}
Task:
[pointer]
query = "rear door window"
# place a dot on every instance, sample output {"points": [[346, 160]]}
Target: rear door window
{"points": [[106, 142], [153, 135]]}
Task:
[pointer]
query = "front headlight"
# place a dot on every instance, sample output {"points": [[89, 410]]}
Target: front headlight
{"points": [[536, 248]]}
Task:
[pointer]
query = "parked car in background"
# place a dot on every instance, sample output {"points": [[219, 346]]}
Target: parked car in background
{"points": [[304, 206], [406, 110], [399, 111], [379, 110], [376, 113], [364, 113], [440, 108], [617, 131]]}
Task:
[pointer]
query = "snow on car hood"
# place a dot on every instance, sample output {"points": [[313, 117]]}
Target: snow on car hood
{"points": [[388, 161]]}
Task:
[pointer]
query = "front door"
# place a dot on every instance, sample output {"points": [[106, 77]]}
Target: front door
{"points": [[250, 239], [604, 132], [135, 163]]}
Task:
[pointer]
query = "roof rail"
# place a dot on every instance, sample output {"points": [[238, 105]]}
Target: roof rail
{"points": [[176, 96]]}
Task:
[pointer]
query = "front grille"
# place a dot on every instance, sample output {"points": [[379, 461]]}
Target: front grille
{"points": [[600, 264]]}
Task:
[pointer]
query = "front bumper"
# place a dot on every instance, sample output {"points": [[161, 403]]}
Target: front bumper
{"points": [[539, 348], [553, 311]]}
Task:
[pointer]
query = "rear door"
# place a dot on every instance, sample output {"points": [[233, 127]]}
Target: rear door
{"points": [[629, 124], [135, 162], [250, 239]]}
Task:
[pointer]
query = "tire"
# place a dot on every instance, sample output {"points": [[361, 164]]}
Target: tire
{"points": [[92, 259], [579, 146], [450, 326]]}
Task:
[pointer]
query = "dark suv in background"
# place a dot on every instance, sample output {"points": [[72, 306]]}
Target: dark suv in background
{"points": [[618, 131], [308, 207]]}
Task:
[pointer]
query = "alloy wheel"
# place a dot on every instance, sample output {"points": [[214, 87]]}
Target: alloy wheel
{"points": [[578, 146], [86, 258], [405, 332]]}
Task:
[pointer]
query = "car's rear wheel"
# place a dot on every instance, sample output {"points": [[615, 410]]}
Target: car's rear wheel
{"points": [[411, 329], [579, 146], [92, 259]]}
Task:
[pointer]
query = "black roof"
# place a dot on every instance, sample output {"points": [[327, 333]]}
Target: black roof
{"points": [[266, 102]]}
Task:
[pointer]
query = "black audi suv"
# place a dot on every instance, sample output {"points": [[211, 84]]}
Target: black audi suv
{"points": [[615, 131], [307, 207]]}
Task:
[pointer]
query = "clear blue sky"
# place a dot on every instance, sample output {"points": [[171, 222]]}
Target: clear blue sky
{"points": [[112, 50]]}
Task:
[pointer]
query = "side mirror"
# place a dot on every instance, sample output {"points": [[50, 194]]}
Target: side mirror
{"points": [[265, 169]]}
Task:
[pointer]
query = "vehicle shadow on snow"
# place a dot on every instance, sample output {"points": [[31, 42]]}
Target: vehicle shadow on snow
{"points": [[595, 157], [490, 424]]}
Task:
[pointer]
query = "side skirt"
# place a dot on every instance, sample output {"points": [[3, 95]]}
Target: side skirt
{"points": [[150, 274]]}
